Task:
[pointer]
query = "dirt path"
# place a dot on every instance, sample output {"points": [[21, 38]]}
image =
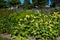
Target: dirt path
{"points": [[5, 35], [8, 36]]}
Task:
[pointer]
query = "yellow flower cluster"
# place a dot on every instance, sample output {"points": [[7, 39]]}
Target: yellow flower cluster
{"points": [[27, 16]]}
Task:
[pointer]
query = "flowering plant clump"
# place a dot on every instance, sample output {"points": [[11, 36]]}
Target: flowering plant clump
{"points": [[40, 25], [31, 24]]}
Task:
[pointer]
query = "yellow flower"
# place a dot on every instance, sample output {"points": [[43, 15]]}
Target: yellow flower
{"points": [[40, 14], [27, 16], [46, 23], [21, 19], [56, 22], [36, 24], [35, 16], [34, 31], [32, 15], [40, 23], [32, 20], [55, 16], [50, 21], [25, 19], [45, 16], [56, 12], [51, 29], [19, 24], [41, 20], [59, 15], [51, 25]]}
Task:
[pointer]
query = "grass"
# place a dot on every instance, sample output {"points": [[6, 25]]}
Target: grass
{"points": [[5, 12], [4, 39]]}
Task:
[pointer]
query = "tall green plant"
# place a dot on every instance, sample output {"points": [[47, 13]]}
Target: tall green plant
{"points": [[39, 3], [26, 4], [14, 2], [2, 3]]}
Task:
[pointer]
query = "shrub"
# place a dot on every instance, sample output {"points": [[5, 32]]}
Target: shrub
{"points": [[31, 24]]}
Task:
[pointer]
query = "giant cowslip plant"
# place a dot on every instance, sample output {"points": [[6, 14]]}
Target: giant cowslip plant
{"points": [[40, 26]]}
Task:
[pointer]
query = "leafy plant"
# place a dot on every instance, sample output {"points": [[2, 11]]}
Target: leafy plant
{"points": [[31, 24]]}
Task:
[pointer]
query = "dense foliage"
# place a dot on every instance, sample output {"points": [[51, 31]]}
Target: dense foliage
{"points": [[31, 24], [14, 2], [27, 4], [39, 3], [2, 3]]}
